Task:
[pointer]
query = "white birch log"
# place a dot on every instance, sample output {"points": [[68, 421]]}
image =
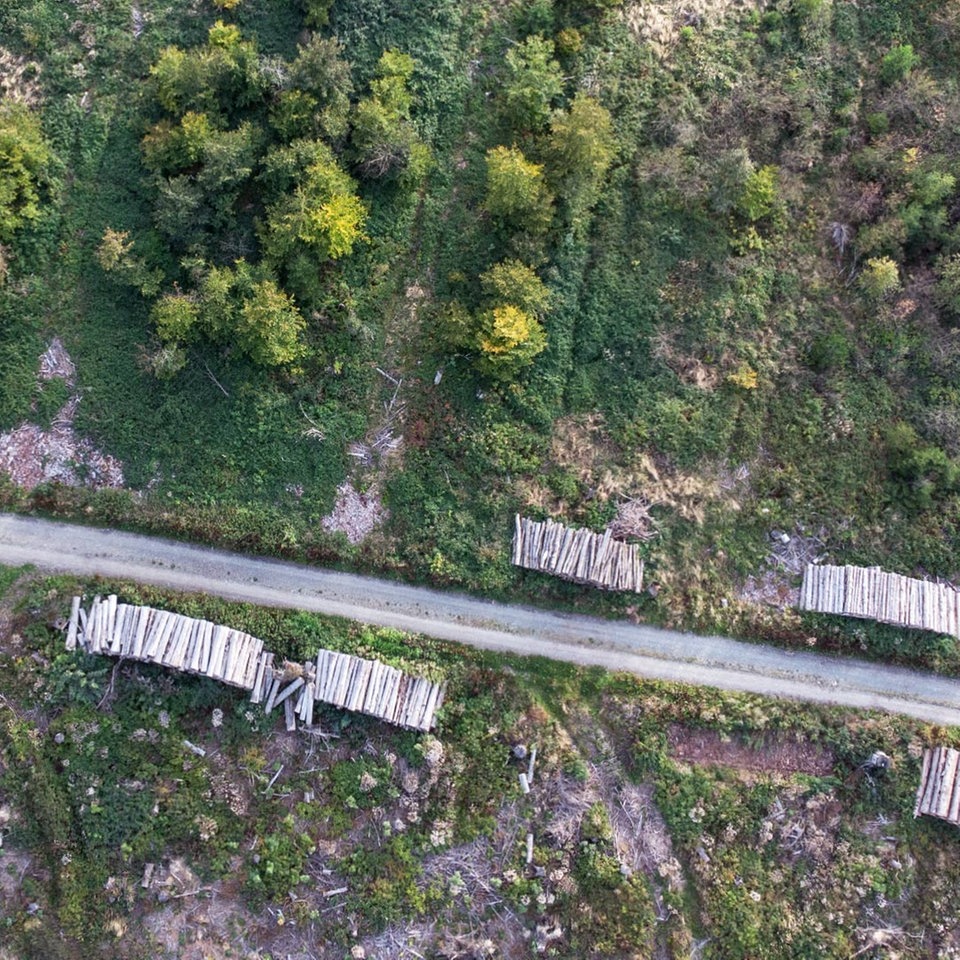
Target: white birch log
{"points": [[74, 624]]}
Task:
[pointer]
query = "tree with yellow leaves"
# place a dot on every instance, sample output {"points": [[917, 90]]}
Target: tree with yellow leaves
{"points": [[508, 339]]}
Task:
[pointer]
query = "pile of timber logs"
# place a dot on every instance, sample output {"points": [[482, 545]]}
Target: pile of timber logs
{"points": [[939, 791], [169, 639], [221, 653], [352, 683], [578, 555], [871, 594]]}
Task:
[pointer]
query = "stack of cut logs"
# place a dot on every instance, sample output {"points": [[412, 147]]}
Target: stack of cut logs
{"points": [[352, 683], [579, 555], [233, 657], [939, 792], [169, 639], [871, 594]]}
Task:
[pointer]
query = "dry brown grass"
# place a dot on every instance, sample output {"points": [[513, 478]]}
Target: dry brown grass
{"points": [[658, 23], [582, 446]]}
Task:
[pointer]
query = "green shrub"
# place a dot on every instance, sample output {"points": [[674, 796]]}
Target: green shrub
{"points": [[880, 278], [878, 123], [277, 863], [829, 351], [898, 63]]}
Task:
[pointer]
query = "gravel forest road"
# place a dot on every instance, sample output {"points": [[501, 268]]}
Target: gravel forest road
{"points": [[644, 650]]}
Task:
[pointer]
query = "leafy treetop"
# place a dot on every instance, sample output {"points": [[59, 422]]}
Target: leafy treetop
{"points": [[24, 159]]}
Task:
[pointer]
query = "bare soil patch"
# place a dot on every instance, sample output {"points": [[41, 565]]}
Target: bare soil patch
{"points": [[785, 757], [31, 455]]}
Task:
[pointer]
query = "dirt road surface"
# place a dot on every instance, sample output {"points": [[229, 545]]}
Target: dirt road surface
{"points": [[644, 650]]}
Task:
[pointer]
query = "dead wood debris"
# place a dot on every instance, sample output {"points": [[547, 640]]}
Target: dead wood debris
{"points": [[633, 519]]}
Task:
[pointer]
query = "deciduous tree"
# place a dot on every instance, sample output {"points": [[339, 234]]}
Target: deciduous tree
{"points": [[582, 146], [880, 277], [383, 135], [513, 282], [508, 339], [115, 255], [269, 326], [516, 190], [241, 306], [322, 213], [532, 84], [24, 160], [317, 102]]}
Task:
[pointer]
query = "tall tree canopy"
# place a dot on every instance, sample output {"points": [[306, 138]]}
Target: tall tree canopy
{"points": [[24, 158], [516, 190]]}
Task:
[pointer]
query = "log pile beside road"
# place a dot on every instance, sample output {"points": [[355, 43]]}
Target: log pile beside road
{"points": [[579, 555], [939, 792], [238, 659], [871, 594]]}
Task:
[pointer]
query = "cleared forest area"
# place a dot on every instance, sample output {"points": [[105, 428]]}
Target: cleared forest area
{"points": [[556, 810]]}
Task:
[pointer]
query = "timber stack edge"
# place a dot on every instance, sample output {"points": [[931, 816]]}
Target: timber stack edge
{"points": [[939, 792], [869, 593]]}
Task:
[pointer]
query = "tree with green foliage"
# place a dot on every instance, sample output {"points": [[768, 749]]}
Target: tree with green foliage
{"points": [[169, 147], [316, 13], [240, 306], [922, 470], [384, 138], [180, 213], [321, 214], [947, 293], [219, 78], [508, 340], [115, 255], [506, 334], [513, 282], [582, 146], [517, 192], [269, 326], [25, 158], [316, 99], [880, 278], [759, 194], [200, 171], [176, 317], [533, 83]]}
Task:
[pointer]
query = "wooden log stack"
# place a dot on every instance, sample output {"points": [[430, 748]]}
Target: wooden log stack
{"points": [[578, 555], [939, 792], [871, 594], [352, 683], [233, 657], [169, 639]]}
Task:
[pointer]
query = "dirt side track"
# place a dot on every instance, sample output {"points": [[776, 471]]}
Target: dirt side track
{"points": [[644, 650]]}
